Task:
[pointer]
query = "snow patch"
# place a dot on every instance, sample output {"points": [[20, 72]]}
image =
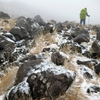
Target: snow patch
{"points": [[53, 68]]}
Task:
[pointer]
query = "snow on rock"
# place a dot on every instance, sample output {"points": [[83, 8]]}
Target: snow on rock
{"points": [[50, 81], [45, 80], [21, 91]]}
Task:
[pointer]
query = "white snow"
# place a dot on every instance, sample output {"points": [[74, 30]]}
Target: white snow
{"points": [[54, 68], [64, 55], [22, 87], [2, 97], [17, 27], [55, 46], [9, 40], [8, 33]]}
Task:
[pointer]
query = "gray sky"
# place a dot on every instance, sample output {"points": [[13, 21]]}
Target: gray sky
{"points": [[62, 10]]}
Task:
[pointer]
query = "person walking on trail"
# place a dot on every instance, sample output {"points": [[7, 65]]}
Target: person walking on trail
{"points": [[83, 14]]}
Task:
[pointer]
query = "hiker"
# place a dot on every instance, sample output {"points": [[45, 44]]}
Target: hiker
{"points": [[83, 14]]}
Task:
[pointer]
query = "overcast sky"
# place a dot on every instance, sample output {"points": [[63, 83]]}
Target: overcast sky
{"points": [[62, 10]]}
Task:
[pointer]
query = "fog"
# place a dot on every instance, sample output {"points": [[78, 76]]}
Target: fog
{"points": [[62, 10]]}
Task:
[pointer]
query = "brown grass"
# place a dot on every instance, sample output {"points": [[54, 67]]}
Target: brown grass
{"points": [[8, 80], [41, 42], [7, 26]]}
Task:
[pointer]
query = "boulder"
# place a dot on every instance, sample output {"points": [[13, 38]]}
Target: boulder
{"points": [[57, 58], [39, 20], [97, 68], [25, 68], [96, 47], [59, 27], [47, 84], [4, 15], [97, 30], [8, 52], [19, 33], [1, 57], [23, 22], [19, 92], [9, 35], [81, 38], [79, 31], [36, 79], [16, 31], [48, 28], [4, 41]]}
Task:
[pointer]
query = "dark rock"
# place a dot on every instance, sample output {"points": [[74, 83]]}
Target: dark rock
{"points": [[8, 52], [67, 24], [24, 33], [67, 35], [1, 57], [79, 31], [25, 68], [48, 28], [93, 89], [23, 22], [88, 63], [4, 15], [9, 35], [94, 55], [44, 82], [4, 41], [59, 27], [86, 72], [81, 38], [19, 33], [45, 49], [97, 68], [30, 21], [96, 47], [20, 92], [86, 54], [16, 31], [49, 84], [20, 43], [88, 75], [9, 47], [39, 20], [97, 30], [57, 58]]}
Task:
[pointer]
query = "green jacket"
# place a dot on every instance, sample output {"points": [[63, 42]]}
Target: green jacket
{"points": [[83, 13]]}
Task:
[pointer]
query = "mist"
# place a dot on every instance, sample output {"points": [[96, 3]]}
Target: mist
{"points": [[59, 10]]}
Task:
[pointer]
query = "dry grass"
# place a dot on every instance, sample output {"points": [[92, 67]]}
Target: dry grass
{"points": [[41, 42], [8, 80], [9, 25], [93, 32]]}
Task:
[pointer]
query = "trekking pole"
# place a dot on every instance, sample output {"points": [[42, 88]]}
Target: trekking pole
{"points": [[88, 20]]}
